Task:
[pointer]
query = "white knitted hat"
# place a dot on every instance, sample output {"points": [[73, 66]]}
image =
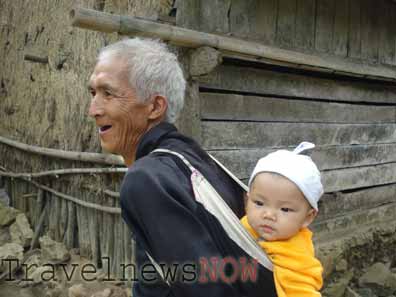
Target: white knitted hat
{"points": [[299, 169]]}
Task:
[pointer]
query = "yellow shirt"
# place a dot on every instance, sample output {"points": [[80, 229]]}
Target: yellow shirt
{"points": [[297, 273]]}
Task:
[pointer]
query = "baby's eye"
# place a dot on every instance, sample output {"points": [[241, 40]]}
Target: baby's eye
{"points": [[286, 209], [258, 203]]}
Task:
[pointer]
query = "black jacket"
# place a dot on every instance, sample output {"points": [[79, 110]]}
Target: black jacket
{"points": [[158, 205]]}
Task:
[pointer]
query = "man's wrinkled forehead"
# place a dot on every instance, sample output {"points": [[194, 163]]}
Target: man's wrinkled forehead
{"points": [[110, 69]]}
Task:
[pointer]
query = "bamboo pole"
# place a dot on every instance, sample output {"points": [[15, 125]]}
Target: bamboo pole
{"points": [[75, 156], [113, 210], [58, 172], [127, 25]]}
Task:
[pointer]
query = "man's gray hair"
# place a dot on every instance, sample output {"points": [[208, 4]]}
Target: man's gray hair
{"points": [[152, 69]]}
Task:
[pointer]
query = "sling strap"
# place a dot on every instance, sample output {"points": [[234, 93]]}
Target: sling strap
{"points": [[214, 203]]}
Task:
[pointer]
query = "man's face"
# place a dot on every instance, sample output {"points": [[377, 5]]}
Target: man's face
{"points": [[121, 118], [276, 209]]}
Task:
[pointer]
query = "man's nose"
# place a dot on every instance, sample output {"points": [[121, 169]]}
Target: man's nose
{"points": [[95, 108]]}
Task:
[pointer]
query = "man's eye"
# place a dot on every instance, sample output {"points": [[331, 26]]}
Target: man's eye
{"points": [[286, 209], [92, 92]]}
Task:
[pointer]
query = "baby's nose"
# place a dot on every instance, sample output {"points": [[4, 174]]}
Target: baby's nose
{"points": [[270, 214]]}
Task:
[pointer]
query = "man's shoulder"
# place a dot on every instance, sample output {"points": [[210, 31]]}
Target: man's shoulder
{"points": [[153, 167]]}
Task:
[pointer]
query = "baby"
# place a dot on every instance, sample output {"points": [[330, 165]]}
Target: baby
{"points": [[282, 201]]}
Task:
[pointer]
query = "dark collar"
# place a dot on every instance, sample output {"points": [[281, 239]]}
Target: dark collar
{"points": [[151, 139]]}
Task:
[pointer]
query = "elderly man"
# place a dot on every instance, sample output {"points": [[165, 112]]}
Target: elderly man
{"points": [[137, 90]]}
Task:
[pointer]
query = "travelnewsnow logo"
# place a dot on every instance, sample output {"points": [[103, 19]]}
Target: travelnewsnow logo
{"points": [[212, 270]]}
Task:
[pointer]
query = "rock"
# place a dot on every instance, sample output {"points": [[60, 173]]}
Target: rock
{"points": [[5, 236], [366, 292], [10, 251], [53, 251], [341, 265], [338, 288], [35, 277], [78, 291], [391, 282], [7, 215], [203, 60], [105, 293], [4, 198], [351, 293], [376, 275], [20, 231]]}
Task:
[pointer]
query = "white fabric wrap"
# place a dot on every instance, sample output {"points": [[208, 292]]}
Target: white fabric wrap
{"points": [[299, 169]]}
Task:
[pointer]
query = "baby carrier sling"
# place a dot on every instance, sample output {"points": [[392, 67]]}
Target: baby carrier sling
{"points": [[211, 200]]}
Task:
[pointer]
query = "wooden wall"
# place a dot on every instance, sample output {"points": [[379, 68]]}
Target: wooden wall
{"points": [[247, 109], [355, 29]]}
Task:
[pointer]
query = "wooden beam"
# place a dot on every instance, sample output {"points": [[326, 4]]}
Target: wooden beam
{"points": [[251, 135], [271, 83], [127, 25], [241, 162], [216, 106], [340, 204]]}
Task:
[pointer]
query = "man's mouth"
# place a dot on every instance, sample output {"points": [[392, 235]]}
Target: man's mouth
{"points": [[104, 129]]}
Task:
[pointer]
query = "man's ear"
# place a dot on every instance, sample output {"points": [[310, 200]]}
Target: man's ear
{"points": [[312, 213], [158, 107]]}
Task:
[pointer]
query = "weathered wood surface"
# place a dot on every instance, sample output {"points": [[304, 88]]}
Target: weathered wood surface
{"points": [[189, 121], [324, 25], [354, 221], [286, 22], [94, 20], [341, 28], [242, 162], [265, 82], [355, 45], [305, 24], [216, 106], [359, 177], [340, 31], [370, 30], [387, 33], [340, 204], [240, 135]]}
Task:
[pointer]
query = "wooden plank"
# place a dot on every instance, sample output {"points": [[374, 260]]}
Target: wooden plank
{"points": [[252, 108], [339, 204], [214, 16], [241, 162], [324, 25], [355, 36], [340, 34], [359, 177], [353, 222], [305, 24], [286, 22], [370, 34], [262, 18], [239, 18], [187, 14], [387, 37], [238, 135], [189, 121], [265, 82]]}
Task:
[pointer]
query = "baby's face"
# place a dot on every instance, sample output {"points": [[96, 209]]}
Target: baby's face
{"points": [[276, 209]]}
